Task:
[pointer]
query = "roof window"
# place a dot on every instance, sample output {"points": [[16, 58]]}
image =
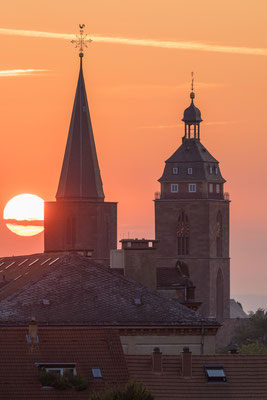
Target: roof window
{"points": [[175, 171], [189, 171], [215, 373], [97, 374], [137, 301], [211, 170]]}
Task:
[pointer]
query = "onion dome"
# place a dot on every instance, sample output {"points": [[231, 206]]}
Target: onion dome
{"points": [[192, 113]]}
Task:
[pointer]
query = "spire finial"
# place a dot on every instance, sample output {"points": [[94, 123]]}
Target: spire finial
{"points": [[192, 94], [81, 40]]}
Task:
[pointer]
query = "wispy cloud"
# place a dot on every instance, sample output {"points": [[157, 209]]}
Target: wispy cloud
{"points": [[20, 72], [165, 44], [172, 126], [170, 87]]}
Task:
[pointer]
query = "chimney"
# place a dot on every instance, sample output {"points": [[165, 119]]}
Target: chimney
{"points": [[157, 360], [186, 363], [33, 331]]}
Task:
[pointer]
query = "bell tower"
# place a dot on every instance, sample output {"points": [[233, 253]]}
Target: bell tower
{"points": [[80, 220], [192, 218]]}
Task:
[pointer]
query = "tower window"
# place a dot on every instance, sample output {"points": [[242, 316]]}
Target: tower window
{"points": [[217, 188], [216, 170], [189, 171], [183, 234], [211, 170], [211, 187], [192, 187], [174, 187], [175, 171], [219, 234]]}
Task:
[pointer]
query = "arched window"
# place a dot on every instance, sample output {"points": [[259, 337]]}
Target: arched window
{"points": [[219, 234], [71, 231], [219, 296], [183, 234]]}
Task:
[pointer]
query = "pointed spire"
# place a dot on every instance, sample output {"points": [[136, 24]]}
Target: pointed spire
{"points": [[80, 177]]}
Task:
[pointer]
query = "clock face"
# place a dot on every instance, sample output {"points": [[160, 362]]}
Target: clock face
{"points": [[183, 229]]}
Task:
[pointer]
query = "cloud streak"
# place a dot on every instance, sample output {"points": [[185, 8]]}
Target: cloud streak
{"points": [[181, 124], [20, 72], [164, 44]]}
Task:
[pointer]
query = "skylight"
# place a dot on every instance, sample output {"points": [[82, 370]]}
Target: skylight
{"points": [[215, 373], [9, 265], [33, 262], [97, 374], [22, 262], [48, 259], [52, 262]]}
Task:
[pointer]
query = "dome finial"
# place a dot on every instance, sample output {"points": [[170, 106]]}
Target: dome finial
{"points": [[192, 94], [81, 40]]}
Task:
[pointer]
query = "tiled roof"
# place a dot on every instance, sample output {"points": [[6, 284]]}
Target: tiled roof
{"points": [[80, 292], [87, 347], [246, 377]]}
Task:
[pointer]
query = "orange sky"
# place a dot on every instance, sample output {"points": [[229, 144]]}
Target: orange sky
{"points": [[137, 94]]}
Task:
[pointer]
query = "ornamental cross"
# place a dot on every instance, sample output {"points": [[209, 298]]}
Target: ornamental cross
{"points": [[81, 40]]}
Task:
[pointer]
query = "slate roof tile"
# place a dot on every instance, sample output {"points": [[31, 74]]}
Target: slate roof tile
{"points": [[81, 292]]}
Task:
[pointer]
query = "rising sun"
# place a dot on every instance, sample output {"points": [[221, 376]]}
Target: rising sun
{"points": [[24, 214]]}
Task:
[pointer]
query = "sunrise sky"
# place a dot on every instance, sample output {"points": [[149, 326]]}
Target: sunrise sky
{"points": [[137, 72]]}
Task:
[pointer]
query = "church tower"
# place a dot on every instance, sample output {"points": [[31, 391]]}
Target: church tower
{"points": [[192, 218], [80, 220]]}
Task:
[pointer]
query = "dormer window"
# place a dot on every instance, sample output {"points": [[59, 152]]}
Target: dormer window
{"points": [[216, 170], [189, 171], [62, 369], [192, 187], [174, 187], [175, 171], [211, 170]]}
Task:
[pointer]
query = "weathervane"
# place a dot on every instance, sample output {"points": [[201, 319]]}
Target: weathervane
{"points": [[81, 40]]}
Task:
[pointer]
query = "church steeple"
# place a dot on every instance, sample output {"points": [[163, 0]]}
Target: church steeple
{"points": [[192, 117], [80, 177]]}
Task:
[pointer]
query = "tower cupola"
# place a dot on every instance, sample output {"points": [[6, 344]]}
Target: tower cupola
{"points": [[192, 117]]}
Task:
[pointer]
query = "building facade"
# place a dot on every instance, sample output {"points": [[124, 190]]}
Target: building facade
{"points": [[192, 218]]}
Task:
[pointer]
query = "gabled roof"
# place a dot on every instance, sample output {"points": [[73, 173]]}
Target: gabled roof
{"points": [[80, 175], [81, 292], [246, 377], [86, 347]]}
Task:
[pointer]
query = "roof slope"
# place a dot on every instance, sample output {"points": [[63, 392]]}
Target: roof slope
{"points": [[80, 174], [246, 377], [86, 347], [191, 151], [81, 292]]}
